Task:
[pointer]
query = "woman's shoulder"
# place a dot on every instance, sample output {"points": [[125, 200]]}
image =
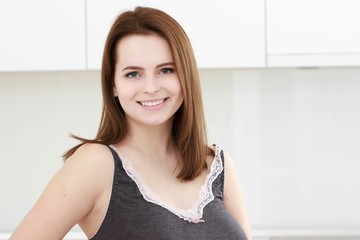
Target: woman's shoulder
{"points": [[217, 151], [90, 154], [89, 160], [223, 155], [91, 151]]}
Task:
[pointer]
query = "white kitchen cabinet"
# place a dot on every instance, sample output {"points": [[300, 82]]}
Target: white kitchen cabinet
{"points": [[226, 34], [42, 35], [313, 33]]}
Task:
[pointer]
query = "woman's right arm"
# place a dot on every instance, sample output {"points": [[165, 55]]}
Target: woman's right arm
{"points": [[67, 198]]}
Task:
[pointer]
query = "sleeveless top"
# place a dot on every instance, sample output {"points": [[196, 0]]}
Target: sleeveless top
{"points": [[134, 212]]}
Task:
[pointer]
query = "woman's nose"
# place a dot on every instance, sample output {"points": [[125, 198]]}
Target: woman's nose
{"points": [[151, 85]]}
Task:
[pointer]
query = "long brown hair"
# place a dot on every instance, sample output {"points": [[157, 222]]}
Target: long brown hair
{"points": [[189, 128]]}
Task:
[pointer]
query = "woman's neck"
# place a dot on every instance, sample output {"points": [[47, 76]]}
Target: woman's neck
{"points": [[156, 141]]}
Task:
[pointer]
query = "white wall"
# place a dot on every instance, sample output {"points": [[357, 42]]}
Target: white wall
{"points": [[294, 134], [38, 110]]}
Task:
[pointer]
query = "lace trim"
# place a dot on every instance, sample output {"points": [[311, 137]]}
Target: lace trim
{"points": [[205, 196]]}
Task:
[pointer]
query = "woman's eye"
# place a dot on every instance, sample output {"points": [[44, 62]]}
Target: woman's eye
{"points": [[166, 70], [132, 74]]}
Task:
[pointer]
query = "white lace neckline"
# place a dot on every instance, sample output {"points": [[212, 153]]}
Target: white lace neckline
{"points": [[205, 195]]}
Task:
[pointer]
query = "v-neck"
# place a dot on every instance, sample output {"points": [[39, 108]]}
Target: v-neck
{"points": [[205, 194]]}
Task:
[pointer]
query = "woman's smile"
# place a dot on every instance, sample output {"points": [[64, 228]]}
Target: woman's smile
{"points": [[153, 103]]}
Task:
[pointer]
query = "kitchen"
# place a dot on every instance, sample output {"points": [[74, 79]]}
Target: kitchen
{"points": [[284, 94]]}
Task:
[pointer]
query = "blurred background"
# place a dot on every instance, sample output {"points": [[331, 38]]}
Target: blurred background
{"points": [[281, 89]]}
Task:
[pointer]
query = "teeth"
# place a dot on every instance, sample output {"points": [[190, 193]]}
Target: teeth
{"points": [[151, 104]]}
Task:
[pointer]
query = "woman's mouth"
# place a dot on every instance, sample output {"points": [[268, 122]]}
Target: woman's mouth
{"points": [[152, 103]]}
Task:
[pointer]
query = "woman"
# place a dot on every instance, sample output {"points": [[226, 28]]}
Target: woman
{"points": [[149, 173]]}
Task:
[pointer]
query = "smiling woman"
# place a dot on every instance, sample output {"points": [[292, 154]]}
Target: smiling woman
{"points": [[150, 172], [152, 85]]}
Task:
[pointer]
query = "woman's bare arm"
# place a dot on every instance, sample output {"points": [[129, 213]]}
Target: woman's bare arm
{"points": [[67, 198], [233, 196]]}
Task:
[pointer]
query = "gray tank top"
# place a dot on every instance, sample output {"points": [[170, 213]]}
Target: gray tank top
{"points": [[134, 212]]}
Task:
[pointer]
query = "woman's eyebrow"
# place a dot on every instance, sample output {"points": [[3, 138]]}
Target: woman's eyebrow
{"points": [[133, 68], [141, 68], [165, 64]]}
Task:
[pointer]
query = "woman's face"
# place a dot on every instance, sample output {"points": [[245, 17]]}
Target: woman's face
{"points": [[146, 81]]}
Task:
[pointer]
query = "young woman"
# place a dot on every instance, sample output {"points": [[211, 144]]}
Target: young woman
{"points": [[149, 173]]}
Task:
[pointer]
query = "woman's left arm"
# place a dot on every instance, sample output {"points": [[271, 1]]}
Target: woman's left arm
{"points": [[233, 195]]}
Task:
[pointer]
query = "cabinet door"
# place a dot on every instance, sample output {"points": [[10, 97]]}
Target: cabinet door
{"points": [[42, 35], [226, 34], [313, 32]]}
